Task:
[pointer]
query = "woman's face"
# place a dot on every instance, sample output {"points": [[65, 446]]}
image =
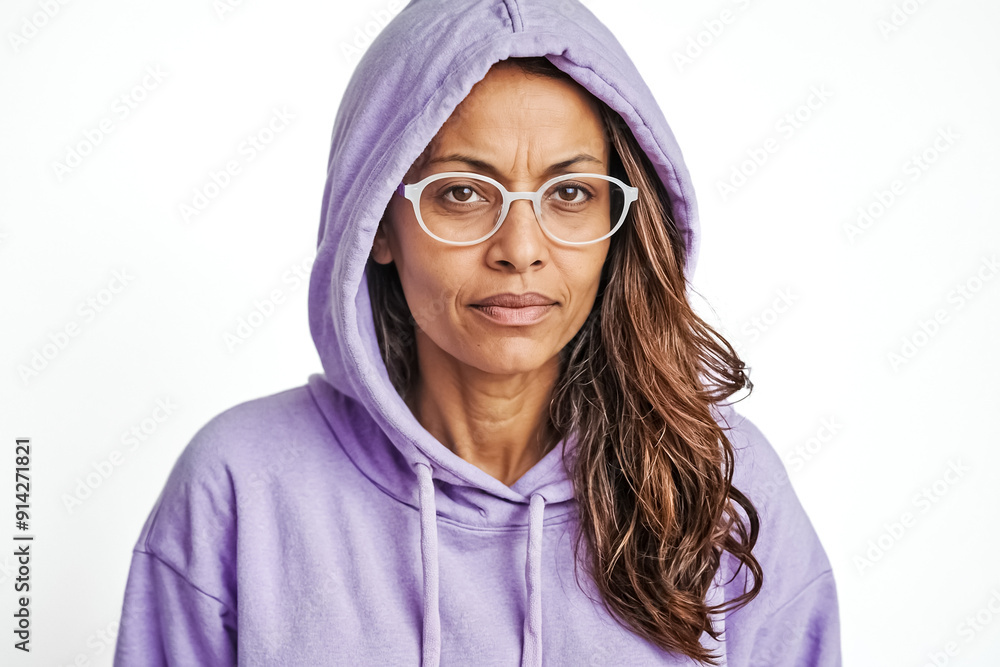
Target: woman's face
{"points": [[516, 128]]}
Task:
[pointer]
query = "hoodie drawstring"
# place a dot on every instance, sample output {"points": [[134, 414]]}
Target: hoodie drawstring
{"points": [[429, 557], [531, 655]]}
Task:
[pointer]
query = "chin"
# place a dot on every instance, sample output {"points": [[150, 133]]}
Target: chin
{"points": [[509, 357]]}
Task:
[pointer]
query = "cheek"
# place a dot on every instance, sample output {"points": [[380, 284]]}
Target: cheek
{"points": [[434, 283], [429, 297], [584, 274]]}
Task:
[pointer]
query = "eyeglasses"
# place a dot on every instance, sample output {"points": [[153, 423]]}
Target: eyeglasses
{"points": [[462, 208]]}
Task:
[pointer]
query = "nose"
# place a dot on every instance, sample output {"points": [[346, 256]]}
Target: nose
{"points": [[520, 243]]}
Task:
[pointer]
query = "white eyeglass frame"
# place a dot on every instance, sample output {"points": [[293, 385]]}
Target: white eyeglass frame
{"points": [[412, 191]]}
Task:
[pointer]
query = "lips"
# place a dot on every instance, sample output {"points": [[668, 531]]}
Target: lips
{"points": [[515, 309], [511, 300]]}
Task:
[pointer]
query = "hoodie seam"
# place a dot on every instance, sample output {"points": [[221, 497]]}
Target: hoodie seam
{"points": [[148, 532], [336, 439], [509, 528], [802, 591], [184, 578], [514, 13]]}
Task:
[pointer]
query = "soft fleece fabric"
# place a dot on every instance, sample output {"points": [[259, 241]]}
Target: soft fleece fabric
{"points": [[324, 525]]}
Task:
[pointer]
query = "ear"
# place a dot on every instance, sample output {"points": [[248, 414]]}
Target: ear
{"points": [[381, 252]]}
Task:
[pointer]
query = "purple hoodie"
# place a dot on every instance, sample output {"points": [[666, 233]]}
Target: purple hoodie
{"points": [[323, 525]]}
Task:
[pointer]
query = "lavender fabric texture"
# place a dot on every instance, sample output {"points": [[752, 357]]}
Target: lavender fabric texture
{"points": [[323, 525]]}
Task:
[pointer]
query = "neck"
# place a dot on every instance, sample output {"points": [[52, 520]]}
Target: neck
{"points": [[499, 423]]}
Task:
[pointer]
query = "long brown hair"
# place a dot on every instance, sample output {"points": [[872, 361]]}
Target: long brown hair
{"points": [[652, 471]]}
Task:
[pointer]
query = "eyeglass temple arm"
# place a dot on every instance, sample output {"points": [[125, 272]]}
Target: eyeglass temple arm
{"points": [[401, 190]]}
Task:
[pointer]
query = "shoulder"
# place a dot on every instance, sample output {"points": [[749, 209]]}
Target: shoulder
{"points": [[244, 438], [794, 563], [251, 428], [757, 465], [192, 525], [250, 437]]}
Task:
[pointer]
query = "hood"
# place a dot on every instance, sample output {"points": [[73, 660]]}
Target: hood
{"points": [[413, 75]]}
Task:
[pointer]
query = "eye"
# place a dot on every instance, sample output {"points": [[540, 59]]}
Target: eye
{"points": [[572, 193], [462, 194]]}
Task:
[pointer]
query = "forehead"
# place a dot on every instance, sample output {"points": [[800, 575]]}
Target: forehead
{"points": [[511, 107], [507, 88]]}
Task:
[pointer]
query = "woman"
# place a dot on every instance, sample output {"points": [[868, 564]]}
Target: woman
{"points": [[520, 450]]}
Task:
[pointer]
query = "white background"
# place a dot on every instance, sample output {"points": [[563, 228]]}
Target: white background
{"points": [[816, 310]]}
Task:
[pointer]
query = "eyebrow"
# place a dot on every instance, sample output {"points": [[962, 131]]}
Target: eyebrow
{"points": [[486, 167]]}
